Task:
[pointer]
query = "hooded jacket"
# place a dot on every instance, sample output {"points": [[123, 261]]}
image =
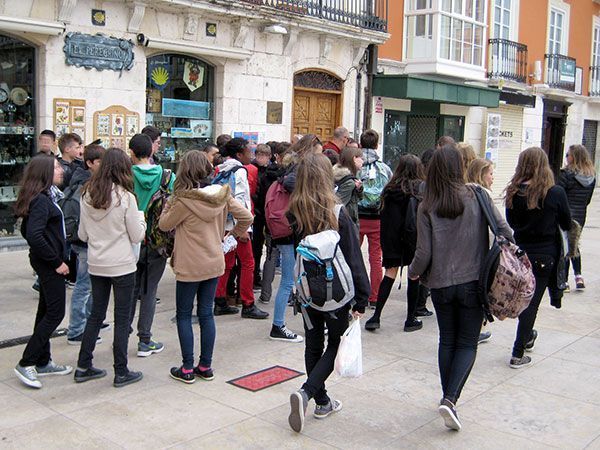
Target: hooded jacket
{"points": [[79, 178], [579, 189], [146, 181], [199, 218], [347, 191], [370, 162], [111, 233], [395, 203], [242, 186]]}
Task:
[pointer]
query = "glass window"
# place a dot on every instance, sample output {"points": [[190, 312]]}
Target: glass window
{"points": [[419, 32], [447, 5], [596, 47], [555, 36], [179, 102]]}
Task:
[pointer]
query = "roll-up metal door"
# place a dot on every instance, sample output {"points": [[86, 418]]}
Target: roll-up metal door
{"points": [[510, 145]]}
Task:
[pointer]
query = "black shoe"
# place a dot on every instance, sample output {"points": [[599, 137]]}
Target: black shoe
{"points": [[88, 374], [157, 301], [36, 286], [413, 325], [372, 305], [423, 313], [372, 324], [206, 375], [178, 374], [105, 326], [531, 342], [129, 378], [556, 302], [225, 310], [252, 312]]}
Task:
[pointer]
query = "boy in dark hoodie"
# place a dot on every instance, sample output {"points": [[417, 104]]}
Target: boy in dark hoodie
{"points": [[261, 162], [147, 180]]}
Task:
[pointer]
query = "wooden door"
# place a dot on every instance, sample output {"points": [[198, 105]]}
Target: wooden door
{"points": [[315, 112]]}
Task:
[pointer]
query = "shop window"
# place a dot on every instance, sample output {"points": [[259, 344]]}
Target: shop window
{"points": [[179, 102], [17, 122]]}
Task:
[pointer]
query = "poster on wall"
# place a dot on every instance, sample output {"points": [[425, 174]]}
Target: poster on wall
{"points": [[69, 116], [492, 140], [193, 75], [103, 125], [78, 116], [62, 110], [132, 125], [201, 128], [115, 125], [118, 126]]}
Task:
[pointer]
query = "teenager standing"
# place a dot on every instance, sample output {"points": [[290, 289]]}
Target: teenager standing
{"points": [[198, 212], [535, 209], [112, 226], [451, 267], [349, 188], [312, 210], [43, 228]]}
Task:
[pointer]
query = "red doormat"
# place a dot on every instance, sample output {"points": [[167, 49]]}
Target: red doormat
{"points": [[265, 378]]}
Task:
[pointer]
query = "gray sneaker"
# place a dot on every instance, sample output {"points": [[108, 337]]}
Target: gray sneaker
{"points": [[518, 363], [149, 348], [298, 405], [322, 411], [53, 369], [28, 376], [448, 412]]}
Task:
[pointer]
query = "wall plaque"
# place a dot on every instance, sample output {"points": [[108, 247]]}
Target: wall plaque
{"points": [[274, 112], [98, 51]]}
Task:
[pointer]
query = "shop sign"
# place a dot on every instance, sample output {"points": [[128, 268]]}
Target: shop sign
{"points": [[193, 75], [98, 51], [98, 17], [186, 109], [160, 74], [566, 70]]}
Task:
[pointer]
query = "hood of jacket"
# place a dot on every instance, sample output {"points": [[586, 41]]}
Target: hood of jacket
{"points": [[147, 177], [274, 171], [80, 176], [228, 164], [370, 156], [99, 214], [584, 180], [205, 203], [340, 172]]}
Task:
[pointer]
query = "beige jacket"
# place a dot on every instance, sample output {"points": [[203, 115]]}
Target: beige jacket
{"points": [[111, 234], [198, 217]]}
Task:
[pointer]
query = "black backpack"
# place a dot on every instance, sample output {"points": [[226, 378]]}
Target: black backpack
{"points": [[409, 228], [71, 208]]}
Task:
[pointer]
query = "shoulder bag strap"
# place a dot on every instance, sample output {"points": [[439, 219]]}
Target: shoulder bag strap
{"points": [[486, 209]]}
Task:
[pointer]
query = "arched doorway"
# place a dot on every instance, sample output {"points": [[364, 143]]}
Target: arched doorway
{"points": [[17, 122], [317, 103], [179, 102]]}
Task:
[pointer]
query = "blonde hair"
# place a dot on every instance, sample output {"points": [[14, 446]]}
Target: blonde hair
{"points": [[477, 170], [582, 163], [533, 167], [313, 201], [467, 153]]}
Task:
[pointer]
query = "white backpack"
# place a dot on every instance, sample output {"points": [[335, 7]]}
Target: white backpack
{"points": [[323, 279]]}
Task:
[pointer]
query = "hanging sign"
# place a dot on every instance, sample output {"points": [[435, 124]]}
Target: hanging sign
{"points": [[160, 74], [193, 75], [98, 51]]}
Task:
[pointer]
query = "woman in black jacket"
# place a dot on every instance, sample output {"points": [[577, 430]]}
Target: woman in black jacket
{"points": [[578, 179], [535, 209], [312, 210], [43, 228], [398, 213]]}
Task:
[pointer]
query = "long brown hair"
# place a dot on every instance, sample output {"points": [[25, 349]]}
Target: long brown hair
{"points": [[445, 180], [313, 201], [468, 155], [532, 167], [38, 178], [407, 177], [477, 169], [115, 168], [307, 144], [582, 163], [347, 158], [194, 169]]}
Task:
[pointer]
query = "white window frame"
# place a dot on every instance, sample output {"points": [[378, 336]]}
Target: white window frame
{"points": [[595, 54], [565, 9], [514, 20], [465, 20]]}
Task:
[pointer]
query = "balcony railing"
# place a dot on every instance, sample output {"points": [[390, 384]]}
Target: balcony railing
{"points": [[595, 81], [369, 14], [507, 60], [560, 71]]}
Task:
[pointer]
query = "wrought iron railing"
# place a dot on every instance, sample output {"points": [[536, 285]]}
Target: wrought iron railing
{"points": [[507, 60], [595, 81], [370, 14], [560, 71]]}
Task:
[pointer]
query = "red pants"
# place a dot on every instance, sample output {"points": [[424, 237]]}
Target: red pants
{"points": [[244, 252], [370, 228]]}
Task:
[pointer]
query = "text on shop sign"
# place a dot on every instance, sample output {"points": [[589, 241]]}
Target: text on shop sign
{"points": [[98, 51]]}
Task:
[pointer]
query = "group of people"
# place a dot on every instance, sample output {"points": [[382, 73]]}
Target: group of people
{"points": [[125, 217]]}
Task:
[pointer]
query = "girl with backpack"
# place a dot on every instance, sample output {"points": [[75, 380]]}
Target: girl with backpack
{"points": [[535, 209], [349, 188], [452, 242], [198, 212], [399, 202], [578, 179], [112, 226], [43, 228], [313, 210]]}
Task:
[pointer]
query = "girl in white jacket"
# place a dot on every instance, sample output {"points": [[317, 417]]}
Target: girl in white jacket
{"points": [[112, 226]]}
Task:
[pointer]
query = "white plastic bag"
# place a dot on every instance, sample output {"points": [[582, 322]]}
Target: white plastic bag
{"points": [[348, 362]]}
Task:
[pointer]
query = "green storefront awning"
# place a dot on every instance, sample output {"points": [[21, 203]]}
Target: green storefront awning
{"points": [[428, 88]]}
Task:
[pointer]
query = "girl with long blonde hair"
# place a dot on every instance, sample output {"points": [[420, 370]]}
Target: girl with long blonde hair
{"points": [[312, 209], [578, 178], [535, 209]]}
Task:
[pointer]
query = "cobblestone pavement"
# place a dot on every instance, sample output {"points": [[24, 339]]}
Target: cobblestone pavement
{"points": [[553, 403]]}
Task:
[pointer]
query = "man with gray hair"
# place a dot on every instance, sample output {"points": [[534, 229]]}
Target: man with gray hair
{"points": [[339, 141]]}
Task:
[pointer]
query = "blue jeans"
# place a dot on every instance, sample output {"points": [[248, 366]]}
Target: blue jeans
{"points": [[185, 292], [459, 315], [81, 300], [285, 285]]}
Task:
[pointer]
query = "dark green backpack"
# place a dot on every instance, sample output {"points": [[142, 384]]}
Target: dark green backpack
{"points": [[160, 241]]}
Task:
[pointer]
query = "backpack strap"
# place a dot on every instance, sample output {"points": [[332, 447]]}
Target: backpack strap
{"points": [[484, 204], [165, 179]]}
